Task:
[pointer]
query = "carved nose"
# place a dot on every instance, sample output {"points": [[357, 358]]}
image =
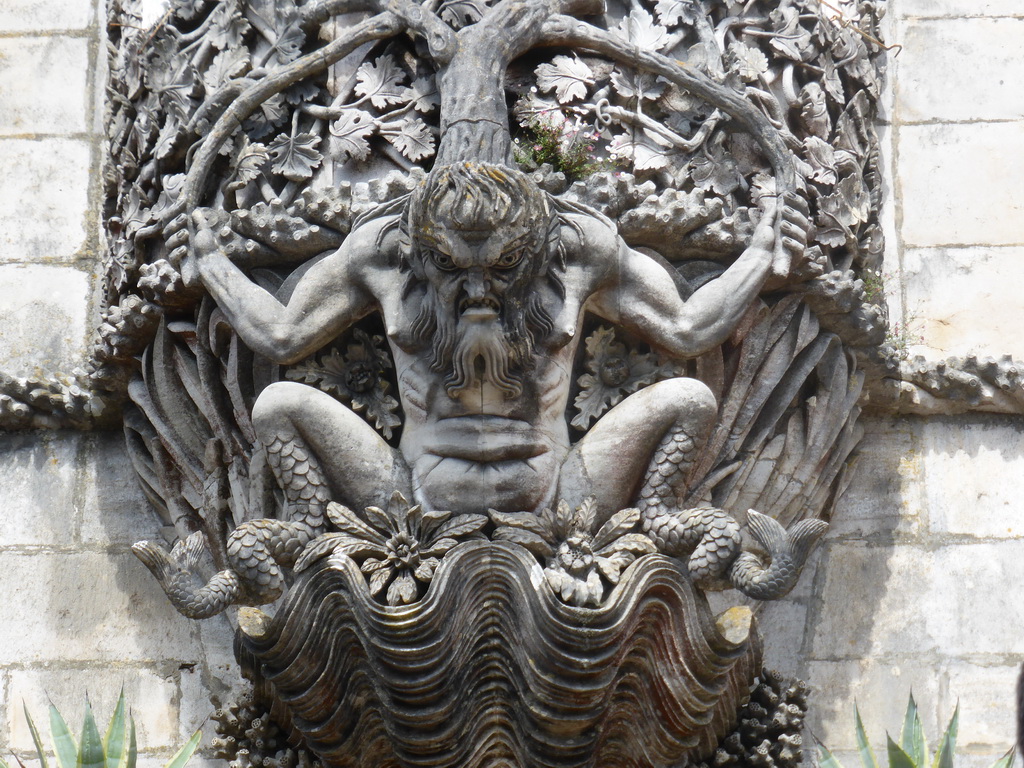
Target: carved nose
{"points": [[476, 284]]}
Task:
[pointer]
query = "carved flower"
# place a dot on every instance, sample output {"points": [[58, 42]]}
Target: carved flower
{"points": [[398, 548], [613, 374], [578, 560], [357, 378]]}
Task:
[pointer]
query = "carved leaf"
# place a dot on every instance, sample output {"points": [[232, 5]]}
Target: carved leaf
{"points": [[749, 63], [640, 29], [567, 76], [822, 158], [290, 37], [644, 152], [412, 138], [228, 26], [461, 525], [251, 159], [617, 525], [644, 85], [351, 132], [270, 115], [295, 157], [672, 12], [225, 65], [379, 81], [424, 95]]}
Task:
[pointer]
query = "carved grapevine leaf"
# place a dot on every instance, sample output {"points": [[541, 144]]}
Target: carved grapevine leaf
{"points": [[411, 137], [749, 63], [423, 94], [640, 29], [629, 84], [351, 132], [644, 151], [673, 12], [380, 82], [251, 159], [567, 76], [225, 65], [271, 113], [295, 157], [289, 37], [229, 26]]}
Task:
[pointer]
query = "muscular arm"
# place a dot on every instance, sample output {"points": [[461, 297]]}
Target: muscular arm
{"points": [[326, 300], [639, 294]]}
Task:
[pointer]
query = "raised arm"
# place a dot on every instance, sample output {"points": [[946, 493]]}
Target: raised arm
{"points": [[328, 298], [641, 295]]}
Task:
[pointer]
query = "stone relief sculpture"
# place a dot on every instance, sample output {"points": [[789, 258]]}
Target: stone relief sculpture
{"points": [[475, 342]]}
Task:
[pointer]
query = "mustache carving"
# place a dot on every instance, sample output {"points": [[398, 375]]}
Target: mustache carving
{"points": [[499, 352]]}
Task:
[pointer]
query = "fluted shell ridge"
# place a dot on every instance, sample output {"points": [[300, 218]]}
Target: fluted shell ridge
{"points": [[491, 670]]}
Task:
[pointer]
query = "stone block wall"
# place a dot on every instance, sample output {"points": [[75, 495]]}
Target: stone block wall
{"points": [[914, 588], [80, 614], [917, 585]]}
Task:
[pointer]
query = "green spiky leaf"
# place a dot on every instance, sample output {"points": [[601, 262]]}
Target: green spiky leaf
{"points": [[132, 753], [90, 746], [1007, 760], [63, 742], [40, 749], [182, 755], [113, 742], [912, 739], [944, 757], [826, 759], [897, 757], [867, 757]]}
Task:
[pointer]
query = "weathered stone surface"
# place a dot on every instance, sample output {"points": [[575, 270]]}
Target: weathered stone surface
{"points": [[58, 67], [43, 206], [883, 499], [90, 607], [991, 45], [45, 15], [114, 509], [985, 693], [957, 9], [39, 483], [971, 477], [966, 184], [948, 290], [878, 600], [880, 688], [42, 317], [152, 696]]}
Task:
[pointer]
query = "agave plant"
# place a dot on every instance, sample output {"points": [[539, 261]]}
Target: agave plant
{"points": [[912, 749], [117, 749]]}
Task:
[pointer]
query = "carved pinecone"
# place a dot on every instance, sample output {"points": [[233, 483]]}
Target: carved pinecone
{"points": [[248, 738], [768, 734]]}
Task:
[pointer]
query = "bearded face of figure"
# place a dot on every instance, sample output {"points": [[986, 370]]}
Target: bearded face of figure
{"points": [[480, 240]]}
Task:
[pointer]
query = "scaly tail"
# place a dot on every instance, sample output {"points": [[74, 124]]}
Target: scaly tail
{"points": [[177, 573], [787, 550], [709, 535], [256, 551]]}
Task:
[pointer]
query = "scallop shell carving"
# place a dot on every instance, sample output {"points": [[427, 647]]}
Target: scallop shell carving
{"points": [[491, 670]]}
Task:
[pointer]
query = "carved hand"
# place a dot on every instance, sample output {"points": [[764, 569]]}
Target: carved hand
{"points": [[791, 227], [194, 240]]}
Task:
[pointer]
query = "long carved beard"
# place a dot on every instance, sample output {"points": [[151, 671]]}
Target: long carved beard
{"points": [[482, 356], [499, 352]]}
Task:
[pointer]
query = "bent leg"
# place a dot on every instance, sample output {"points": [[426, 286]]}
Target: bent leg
{"points": [[638, 453], [320, 450]]}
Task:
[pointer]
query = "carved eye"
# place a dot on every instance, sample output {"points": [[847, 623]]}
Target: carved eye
{"points": [[442, 261], [511, 258]]}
